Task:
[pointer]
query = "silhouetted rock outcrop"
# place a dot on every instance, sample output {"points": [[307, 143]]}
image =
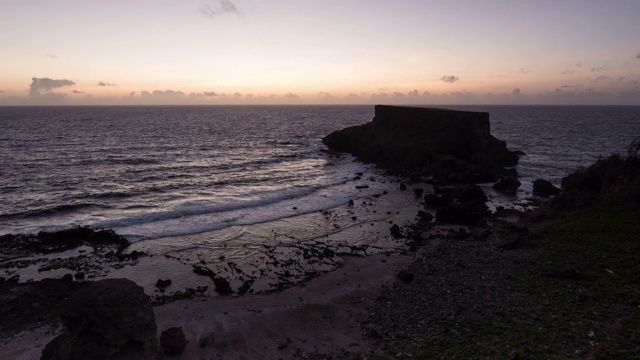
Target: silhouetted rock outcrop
{"points": [[106, 319], [450, 146]]}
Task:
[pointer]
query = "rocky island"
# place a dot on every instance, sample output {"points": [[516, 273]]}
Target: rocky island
{"points": [[439, 145]]}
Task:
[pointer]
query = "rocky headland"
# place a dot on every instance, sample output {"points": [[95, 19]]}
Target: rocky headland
{"points": [[435, 145]]}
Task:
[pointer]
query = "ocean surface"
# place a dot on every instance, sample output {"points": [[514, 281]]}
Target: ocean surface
{"points": [[158, 172]]}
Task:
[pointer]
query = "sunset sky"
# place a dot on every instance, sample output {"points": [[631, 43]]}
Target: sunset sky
{"points": [[319, 52]]}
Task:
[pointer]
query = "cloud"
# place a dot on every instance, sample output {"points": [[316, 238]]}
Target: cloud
{"points": [[38, 84], [413, 93], [599, 68], [50, 56], [515, 91], [567, 86], [450, 78], [132, 94], [102, 83], [224, 7], [325, 95], [2, 91], [579, 65], [638, 56], [525, 71], [209, 93], [600, 78], [77, 92], [292, 95], [567, 72], [398, 94]]}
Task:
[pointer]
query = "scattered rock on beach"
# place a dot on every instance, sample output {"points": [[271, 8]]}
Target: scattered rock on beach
{"points": [[437, 201], [173, 341], [163, 283]]}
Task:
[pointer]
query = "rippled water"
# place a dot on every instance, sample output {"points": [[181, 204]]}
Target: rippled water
{"points": [[152, 172]]}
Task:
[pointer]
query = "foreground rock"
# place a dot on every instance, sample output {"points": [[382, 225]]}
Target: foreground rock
{"points": [[105, 320], [447, 145]]}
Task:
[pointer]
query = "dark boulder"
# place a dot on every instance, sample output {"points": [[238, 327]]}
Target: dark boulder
{"points": [[462, 214], [545, 188], [163, 283], [472, 193], [106, 319], [395, 231], [507, 185], [437, 201], [447, 145], [425, 216], [173, 341]]}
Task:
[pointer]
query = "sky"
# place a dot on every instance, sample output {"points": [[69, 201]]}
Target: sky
{"points": [[418, 52]]}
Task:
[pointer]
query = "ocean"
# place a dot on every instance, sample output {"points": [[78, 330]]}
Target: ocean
{"points": [[200, 180]]}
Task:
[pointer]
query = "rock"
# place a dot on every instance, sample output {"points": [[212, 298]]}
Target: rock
{"points": [[437, 201], [403, 187], [425, 216], [362, 187], [405, 276], [545, 188], [350, 202], [222, 286], [395, 231], [418, 192], [450, 146], [460, 214], [67, 277], [163, 283], [472, 194], [173, 341], [79, 275], [106, 319], [507, 185]]}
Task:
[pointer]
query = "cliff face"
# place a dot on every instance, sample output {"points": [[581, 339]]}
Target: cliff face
{"points": [[448, 145]]}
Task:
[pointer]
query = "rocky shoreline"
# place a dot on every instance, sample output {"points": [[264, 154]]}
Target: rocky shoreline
{"points": [[467, 282]]}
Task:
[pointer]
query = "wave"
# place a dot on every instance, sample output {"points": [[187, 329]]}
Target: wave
{"points": [[53, 210]]}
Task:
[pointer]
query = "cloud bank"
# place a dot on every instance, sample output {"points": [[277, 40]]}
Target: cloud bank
{"points": [[46, 84], [102, 83]]}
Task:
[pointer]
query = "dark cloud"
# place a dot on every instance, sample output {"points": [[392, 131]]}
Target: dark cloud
{"points": [[209, 93], [413, 93], [449, 79], [102, 83], [525, 71], [2, 91], [599, 68], [567, 72], [39, 84], [398, 94], [132, 94], [292, 95], [567, 86], [77, 92], [224, 7], [579, 65], [638, 56], [515, 91]]}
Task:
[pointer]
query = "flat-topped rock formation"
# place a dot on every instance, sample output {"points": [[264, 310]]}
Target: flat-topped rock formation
{"points": [[449, 146]]}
